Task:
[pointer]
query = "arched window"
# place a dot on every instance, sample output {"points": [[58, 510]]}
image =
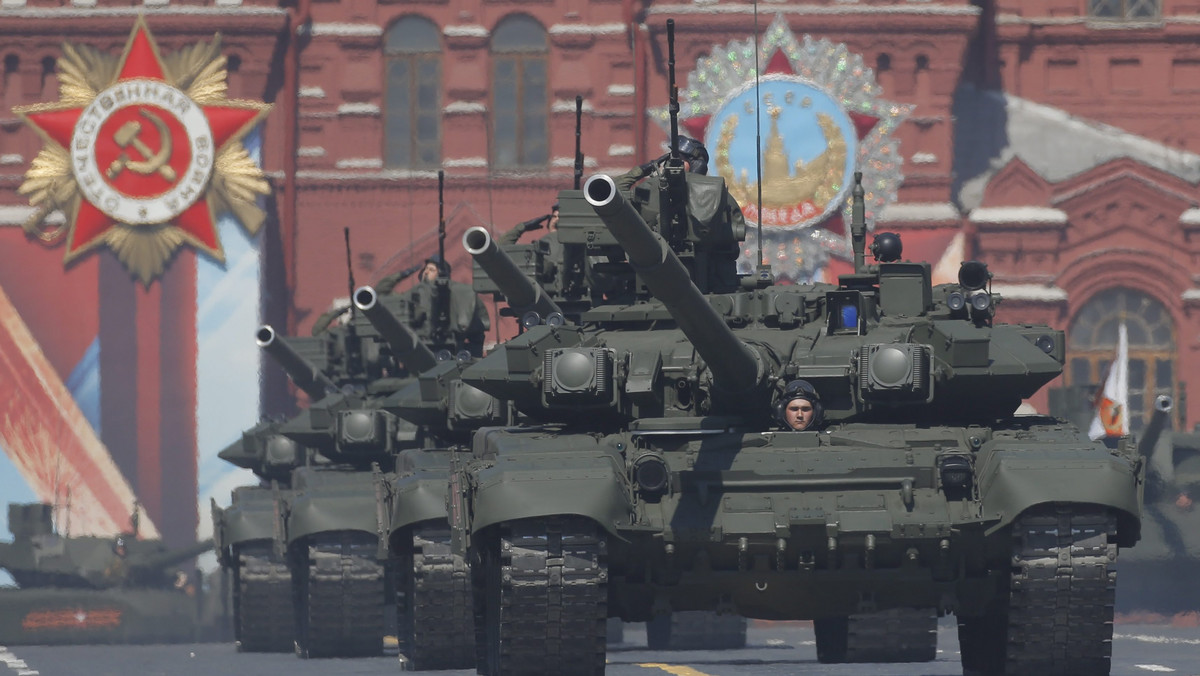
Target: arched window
{"points": [[519, 99], [1127, 10], [413, 94], [1092, 344]]}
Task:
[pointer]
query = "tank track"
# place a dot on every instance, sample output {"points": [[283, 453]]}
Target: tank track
{"points": [[547, 586], [1057, 617], [434, 603], [262, 601], [696, 630], [340, 592]]}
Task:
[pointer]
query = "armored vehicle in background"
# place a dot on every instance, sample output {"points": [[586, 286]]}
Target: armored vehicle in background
{"points": [[100, 590], [1155, 575], [919, 489]]}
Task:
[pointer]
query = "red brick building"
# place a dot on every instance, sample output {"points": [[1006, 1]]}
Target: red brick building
{"points": [[1051, 139]]}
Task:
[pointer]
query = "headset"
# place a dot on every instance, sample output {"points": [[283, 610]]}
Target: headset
{"points": [[800, 389]]}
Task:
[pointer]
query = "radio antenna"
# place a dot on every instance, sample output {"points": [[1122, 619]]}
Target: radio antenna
{"points": [[349, 269], [578, 137], [673, 104], [758, 139], [441, 222]]}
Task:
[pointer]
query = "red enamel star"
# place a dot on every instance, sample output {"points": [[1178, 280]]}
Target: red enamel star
{"points": [[143, 152]]}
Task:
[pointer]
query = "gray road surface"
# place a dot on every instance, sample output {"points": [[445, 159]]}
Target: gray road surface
{"points": [[777, 649]]}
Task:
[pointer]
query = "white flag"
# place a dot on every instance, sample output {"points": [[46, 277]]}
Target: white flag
{"points": [[1112, 405]]}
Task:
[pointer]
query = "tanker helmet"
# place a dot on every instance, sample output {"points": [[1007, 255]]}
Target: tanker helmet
{"points": [[800, 389]]}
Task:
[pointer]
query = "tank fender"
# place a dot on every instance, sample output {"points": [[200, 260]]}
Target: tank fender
{"points": [[242, 523], [1012, 481], [322, 513], [418, 497], [591, 486]]}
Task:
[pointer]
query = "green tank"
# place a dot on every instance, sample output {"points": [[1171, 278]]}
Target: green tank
{"points": [[659, 479], [86, 589], [244, 537], [332, 525], [1169, 550]]}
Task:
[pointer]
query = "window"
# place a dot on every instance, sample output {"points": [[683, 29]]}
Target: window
{"points": [[412, 94], [519, 99], [1129, 10], [1092, 344]]}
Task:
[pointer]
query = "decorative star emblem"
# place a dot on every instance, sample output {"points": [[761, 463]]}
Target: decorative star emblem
{"points": [[132, 150]]}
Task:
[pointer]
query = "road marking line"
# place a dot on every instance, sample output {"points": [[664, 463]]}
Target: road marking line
{"points": [[674, 669], [1144, 638], [1153, 667]]}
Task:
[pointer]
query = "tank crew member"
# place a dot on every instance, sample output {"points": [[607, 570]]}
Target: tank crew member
{"points": [[468, 316], [384, 286], [117, 569], [800, 407], [693, 153], [434, 267], [514, 233]]}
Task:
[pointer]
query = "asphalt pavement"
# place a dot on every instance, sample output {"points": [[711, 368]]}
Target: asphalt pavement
{"points": [[773, 649]]}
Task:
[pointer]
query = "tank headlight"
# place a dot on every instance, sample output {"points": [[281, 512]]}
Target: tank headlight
{"points": [[957, 477], [1045, 343], [555, 319], [463, 356], [577, 376], [981, 301], [956, 301], [443, 355], [530, 319], [651, 475]]}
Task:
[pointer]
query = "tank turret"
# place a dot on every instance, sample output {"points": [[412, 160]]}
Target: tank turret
{"points": [[303, 372], [522, 293], [406, 347]]}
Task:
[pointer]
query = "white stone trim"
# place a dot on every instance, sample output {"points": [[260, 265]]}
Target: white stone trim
{"points": [[12, 3], [370, 109], [910, 212], [11, 158], [1190, 294], [135, 10], [155, 3], [924, 158], [465, 31], [1189, 217], [346, 30], [83, 3], [387, 175], [360, 163], [570, 162], [621, 90], [465, 162], [1031, 292], [565, 106], [620, 150], [313, 92], [16, 214], [310, 151], [464, 107], [587, 29], [228, 3], [748, 9], [999, 215]]}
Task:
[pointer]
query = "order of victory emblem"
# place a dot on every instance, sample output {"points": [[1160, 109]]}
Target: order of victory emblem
{"points": [[142, 153], [820, 116]]}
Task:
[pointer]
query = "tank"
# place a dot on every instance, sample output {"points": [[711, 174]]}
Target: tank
{"points": [[91, 589], [659, 480], [244, 537], [333, 525], [1169, 551]]}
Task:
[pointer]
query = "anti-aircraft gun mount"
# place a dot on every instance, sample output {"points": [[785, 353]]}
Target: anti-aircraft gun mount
{"points": [[88, 589], [675, 492]]}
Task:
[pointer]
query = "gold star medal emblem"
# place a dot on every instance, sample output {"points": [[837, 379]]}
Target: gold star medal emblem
{"points": [[142, 153]]}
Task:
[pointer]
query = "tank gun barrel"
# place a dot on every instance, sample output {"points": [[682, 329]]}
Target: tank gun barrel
{"points": [[522, 293], [302, 372], [406, 347], [173, 557], [734, 366], [1160, 421]]}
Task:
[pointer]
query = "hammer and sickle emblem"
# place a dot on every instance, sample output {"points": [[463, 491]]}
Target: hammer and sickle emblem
{"points": [[152, 161]]}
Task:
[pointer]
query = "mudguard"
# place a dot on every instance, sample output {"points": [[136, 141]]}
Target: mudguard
{"points": [[1012, 481], [250, 517], [585, 485], [330, 500], [418, 497]]}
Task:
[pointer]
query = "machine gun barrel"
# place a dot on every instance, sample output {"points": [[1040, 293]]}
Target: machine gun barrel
{"points": [[734, 366], [306, 376], [1160, 421], [405, 344], [522, 293]]}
